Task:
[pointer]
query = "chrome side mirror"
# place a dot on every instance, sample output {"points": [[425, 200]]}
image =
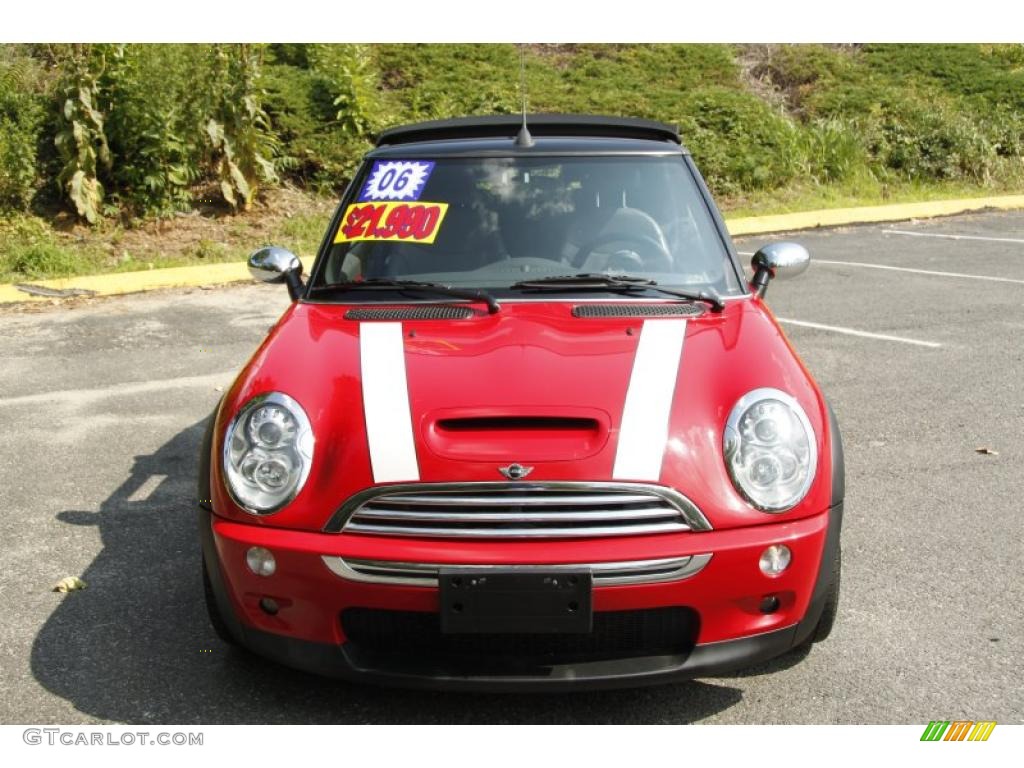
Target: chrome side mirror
{"points": [[777, 260], [277, 265]]}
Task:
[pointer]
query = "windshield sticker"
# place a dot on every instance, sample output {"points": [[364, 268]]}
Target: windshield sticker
{"points": [[401, 222], [396, 180]]}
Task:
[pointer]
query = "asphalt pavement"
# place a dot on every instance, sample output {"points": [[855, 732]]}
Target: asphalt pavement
{"points": [[914, 330]]}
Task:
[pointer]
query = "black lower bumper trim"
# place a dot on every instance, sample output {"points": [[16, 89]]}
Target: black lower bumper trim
{"points": [[704, 661], [348, 662]]}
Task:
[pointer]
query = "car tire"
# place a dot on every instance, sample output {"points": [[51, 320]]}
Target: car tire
{"points": [[828, 613], [220, 626]]}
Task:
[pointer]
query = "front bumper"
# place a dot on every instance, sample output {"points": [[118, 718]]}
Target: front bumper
{"points": [[725, 597]]}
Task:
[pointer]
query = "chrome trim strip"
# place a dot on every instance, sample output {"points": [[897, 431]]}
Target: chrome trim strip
{"points": [[605, 574], [480, 532], [645, 513], [436, 499], [692, 516]]}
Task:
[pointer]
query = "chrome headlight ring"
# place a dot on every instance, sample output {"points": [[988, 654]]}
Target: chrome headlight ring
{"points": [[267, 454], [770, 450]]}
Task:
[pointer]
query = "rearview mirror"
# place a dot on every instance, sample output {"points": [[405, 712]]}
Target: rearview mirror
{"points": [[777, 260], [277, 265]]}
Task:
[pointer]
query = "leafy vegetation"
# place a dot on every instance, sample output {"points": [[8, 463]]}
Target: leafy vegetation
{"points": [[115, 136]]}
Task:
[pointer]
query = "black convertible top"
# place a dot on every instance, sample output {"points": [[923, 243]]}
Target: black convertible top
{"points": [[507, 126]]}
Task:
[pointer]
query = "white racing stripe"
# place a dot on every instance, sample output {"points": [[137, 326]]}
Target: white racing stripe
{"points": [[386, 403], [652, 384], [862, 334]]}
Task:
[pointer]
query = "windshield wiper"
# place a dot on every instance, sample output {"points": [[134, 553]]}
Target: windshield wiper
{"points": [[415, 285], [627, 283]]}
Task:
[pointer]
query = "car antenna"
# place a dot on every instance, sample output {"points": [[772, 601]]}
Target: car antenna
{"points": [[523, 139]]}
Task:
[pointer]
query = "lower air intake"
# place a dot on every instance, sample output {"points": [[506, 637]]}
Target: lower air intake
{"points": [[411, 641]]}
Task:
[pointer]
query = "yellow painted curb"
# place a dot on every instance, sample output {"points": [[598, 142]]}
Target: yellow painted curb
{"points": [[135, 282], [834, 217], [218, 274]]}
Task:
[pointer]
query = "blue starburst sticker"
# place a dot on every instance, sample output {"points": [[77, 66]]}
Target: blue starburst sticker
{"points": [[396, 180]]}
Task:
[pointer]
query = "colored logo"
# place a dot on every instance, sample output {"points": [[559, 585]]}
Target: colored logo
{"points": [[958, 730]]}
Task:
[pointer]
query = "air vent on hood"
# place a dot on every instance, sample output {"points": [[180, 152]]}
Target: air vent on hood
{"points": [[638, 310], [427, 312]]}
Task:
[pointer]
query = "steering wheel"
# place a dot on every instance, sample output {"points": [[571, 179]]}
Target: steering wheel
{"points": [[652, 253]]}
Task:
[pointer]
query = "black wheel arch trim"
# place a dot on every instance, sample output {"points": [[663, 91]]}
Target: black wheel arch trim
{"points": [[832, 536], [205, 525]]}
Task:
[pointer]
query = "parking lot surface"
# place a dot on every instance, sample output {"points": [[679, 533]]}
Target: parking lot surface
{"points": [[913, 330]]}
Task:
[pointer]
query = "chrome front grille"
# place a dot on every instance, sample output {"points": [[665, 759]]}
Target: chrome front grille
{"points": [[519, 510], [605, 574]]}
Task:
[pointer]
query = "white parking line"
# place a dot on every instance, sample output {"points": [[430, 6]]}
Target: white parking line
{"points": [[77, 397], [935, 273], [991, 278], [943, 236], [863, 334], [144, 491]]}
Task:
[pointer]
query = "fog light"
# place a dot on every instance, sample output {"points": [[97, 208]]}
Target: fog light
{"points": [[262, 563], [269, 606], [770, 604], [775, 559]]}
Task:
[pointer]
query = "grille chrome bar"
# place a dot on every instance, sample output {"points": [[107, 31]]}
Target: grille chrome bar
{"points": [[605, 574], [644, 513], [518, 510], [495, 532], [509, 499]]}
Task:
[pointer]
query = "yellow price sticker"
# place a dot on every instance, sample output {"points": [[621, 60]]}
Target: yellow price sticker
{"points": [[415, 222]]}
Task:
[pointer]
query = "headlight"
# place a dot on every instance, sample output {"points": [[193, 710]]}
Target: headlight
{"points": [[268, 450], [770, 450]]}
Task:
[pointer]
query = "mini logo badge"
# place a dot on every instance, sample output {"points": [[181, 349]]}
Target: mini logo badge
{"points": [[515, 471]]}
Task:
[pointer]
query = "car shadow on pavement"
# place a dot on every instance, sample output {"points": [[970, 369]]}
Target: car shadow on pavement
{"points": [[136, 645]]}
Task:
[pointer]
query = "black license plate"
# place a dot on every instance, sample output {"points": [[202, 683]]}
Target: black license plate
{"points": [[525, 600]]}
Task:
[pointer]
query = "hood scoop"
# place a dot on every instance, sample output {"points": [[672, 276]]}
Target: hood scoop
{"points": [[502, 436], [425, 312], [637, 310]]}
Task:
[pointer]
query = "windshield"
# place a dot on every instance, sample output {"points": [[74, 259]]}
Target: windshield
{"points": [[494, 222]]}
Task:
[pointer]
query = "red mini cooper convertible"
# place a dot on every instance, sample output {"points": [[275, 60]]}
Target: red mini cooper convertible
{"points": [[527, 425]]}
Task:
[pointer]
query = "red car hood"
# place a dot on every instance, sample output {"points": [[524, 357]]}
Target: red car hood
{"points": [[585, 399]]}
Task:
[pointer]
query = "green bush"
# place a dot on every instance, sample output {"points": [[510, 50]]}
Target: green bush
{"points": [[316, 151], [994, 73], [143, 130], [240, 142], [738, 141], [21, 117], [29, 249], [831, 150], [917, 136], [152, 126]]}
